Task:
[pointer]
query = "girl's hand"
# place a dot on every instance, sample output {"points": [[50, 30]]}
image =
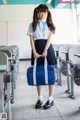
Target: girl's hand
{"points": [[36, 55], [44, 54]]}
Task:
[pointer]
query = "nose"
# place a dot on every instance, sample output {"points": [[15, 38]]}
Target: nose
{"points": [[42, 14]]}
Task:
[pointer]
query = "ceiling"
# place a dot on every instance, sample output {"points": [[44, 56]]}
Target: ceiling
{"points": [[53, 4], [21, 2]]}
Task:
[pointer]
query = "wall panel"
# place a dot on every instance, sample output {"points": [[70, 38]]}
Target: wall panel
{"points": [[17, 35], [3, 33]]}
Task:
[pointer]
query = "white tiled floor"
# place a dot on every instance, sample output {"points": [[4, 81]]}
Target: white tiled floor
{"points": [[26, 96]]}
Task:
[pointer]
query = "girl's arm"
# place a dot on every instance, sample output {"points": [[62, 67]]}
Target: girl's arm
{"points": [[36, 55], [44, 54]]}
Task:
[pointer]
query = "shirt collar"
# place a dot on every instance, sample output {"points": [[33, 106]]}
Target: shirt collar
{"points": [[42, 21]]}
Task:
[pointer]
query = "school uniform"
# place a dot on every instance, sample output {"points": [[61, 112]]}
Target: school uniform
{"points": [[40, 36]]}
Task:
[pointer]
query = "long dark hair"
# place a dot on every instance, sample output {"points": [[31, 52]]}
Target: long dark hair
{"points": [[42, 8]]}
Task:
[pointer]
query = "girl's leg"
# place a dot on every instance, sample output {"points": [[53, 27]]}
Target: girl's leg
{"points": [[39, 90], [50, 102], [50, 90], [40, 98]]}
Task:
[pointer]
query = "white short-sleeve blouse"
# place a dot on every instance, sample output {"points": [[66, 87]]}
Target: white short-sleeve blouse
{"points": [[42, 31]]}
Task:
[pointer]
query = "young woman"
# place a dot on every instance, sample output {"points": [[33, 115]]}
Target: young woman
{"points": [[41, 32]]}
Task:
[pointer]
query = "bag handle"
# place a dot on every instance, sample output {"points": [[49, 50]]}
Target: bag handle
{"points": [[45, 70]]}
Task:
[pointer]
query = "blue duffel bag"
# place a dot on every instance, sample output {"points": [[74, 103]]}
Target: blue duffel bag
{"points": [[41, 75]]}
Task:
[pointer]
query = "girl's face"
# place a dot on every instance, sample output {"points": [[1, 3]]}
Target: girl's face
{"points": [[42, 15]]}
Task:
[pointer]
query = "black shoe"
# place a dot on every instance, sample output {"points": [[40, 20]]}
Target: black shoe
{"points": [[38, 104], [48, 105]]}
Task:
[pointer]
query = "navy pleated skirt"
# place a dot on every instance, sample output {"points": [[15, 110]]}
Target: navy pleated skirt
{"points": [[40, 45]]}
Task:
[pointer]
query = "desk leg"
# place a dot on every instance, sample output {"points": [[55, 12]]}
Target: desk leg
{"points": [[2, 90], [68, 78], [9, 100]]}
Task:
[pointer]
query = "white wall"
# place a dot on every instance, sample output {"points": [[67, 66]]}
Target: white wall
{"points": [[3, 33], [65, 31], [14, 21]]}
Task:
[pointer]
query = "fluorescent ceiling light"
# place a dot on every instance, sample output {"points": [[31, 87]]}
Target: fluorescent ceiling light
{"points": [[49, 1], [5, 2]]}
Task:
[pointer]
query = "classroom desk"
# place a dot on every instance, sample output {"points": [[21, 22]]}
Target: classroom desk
{"points": [[2, 70], [66, 53], [77, 54], [69, 76]]}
